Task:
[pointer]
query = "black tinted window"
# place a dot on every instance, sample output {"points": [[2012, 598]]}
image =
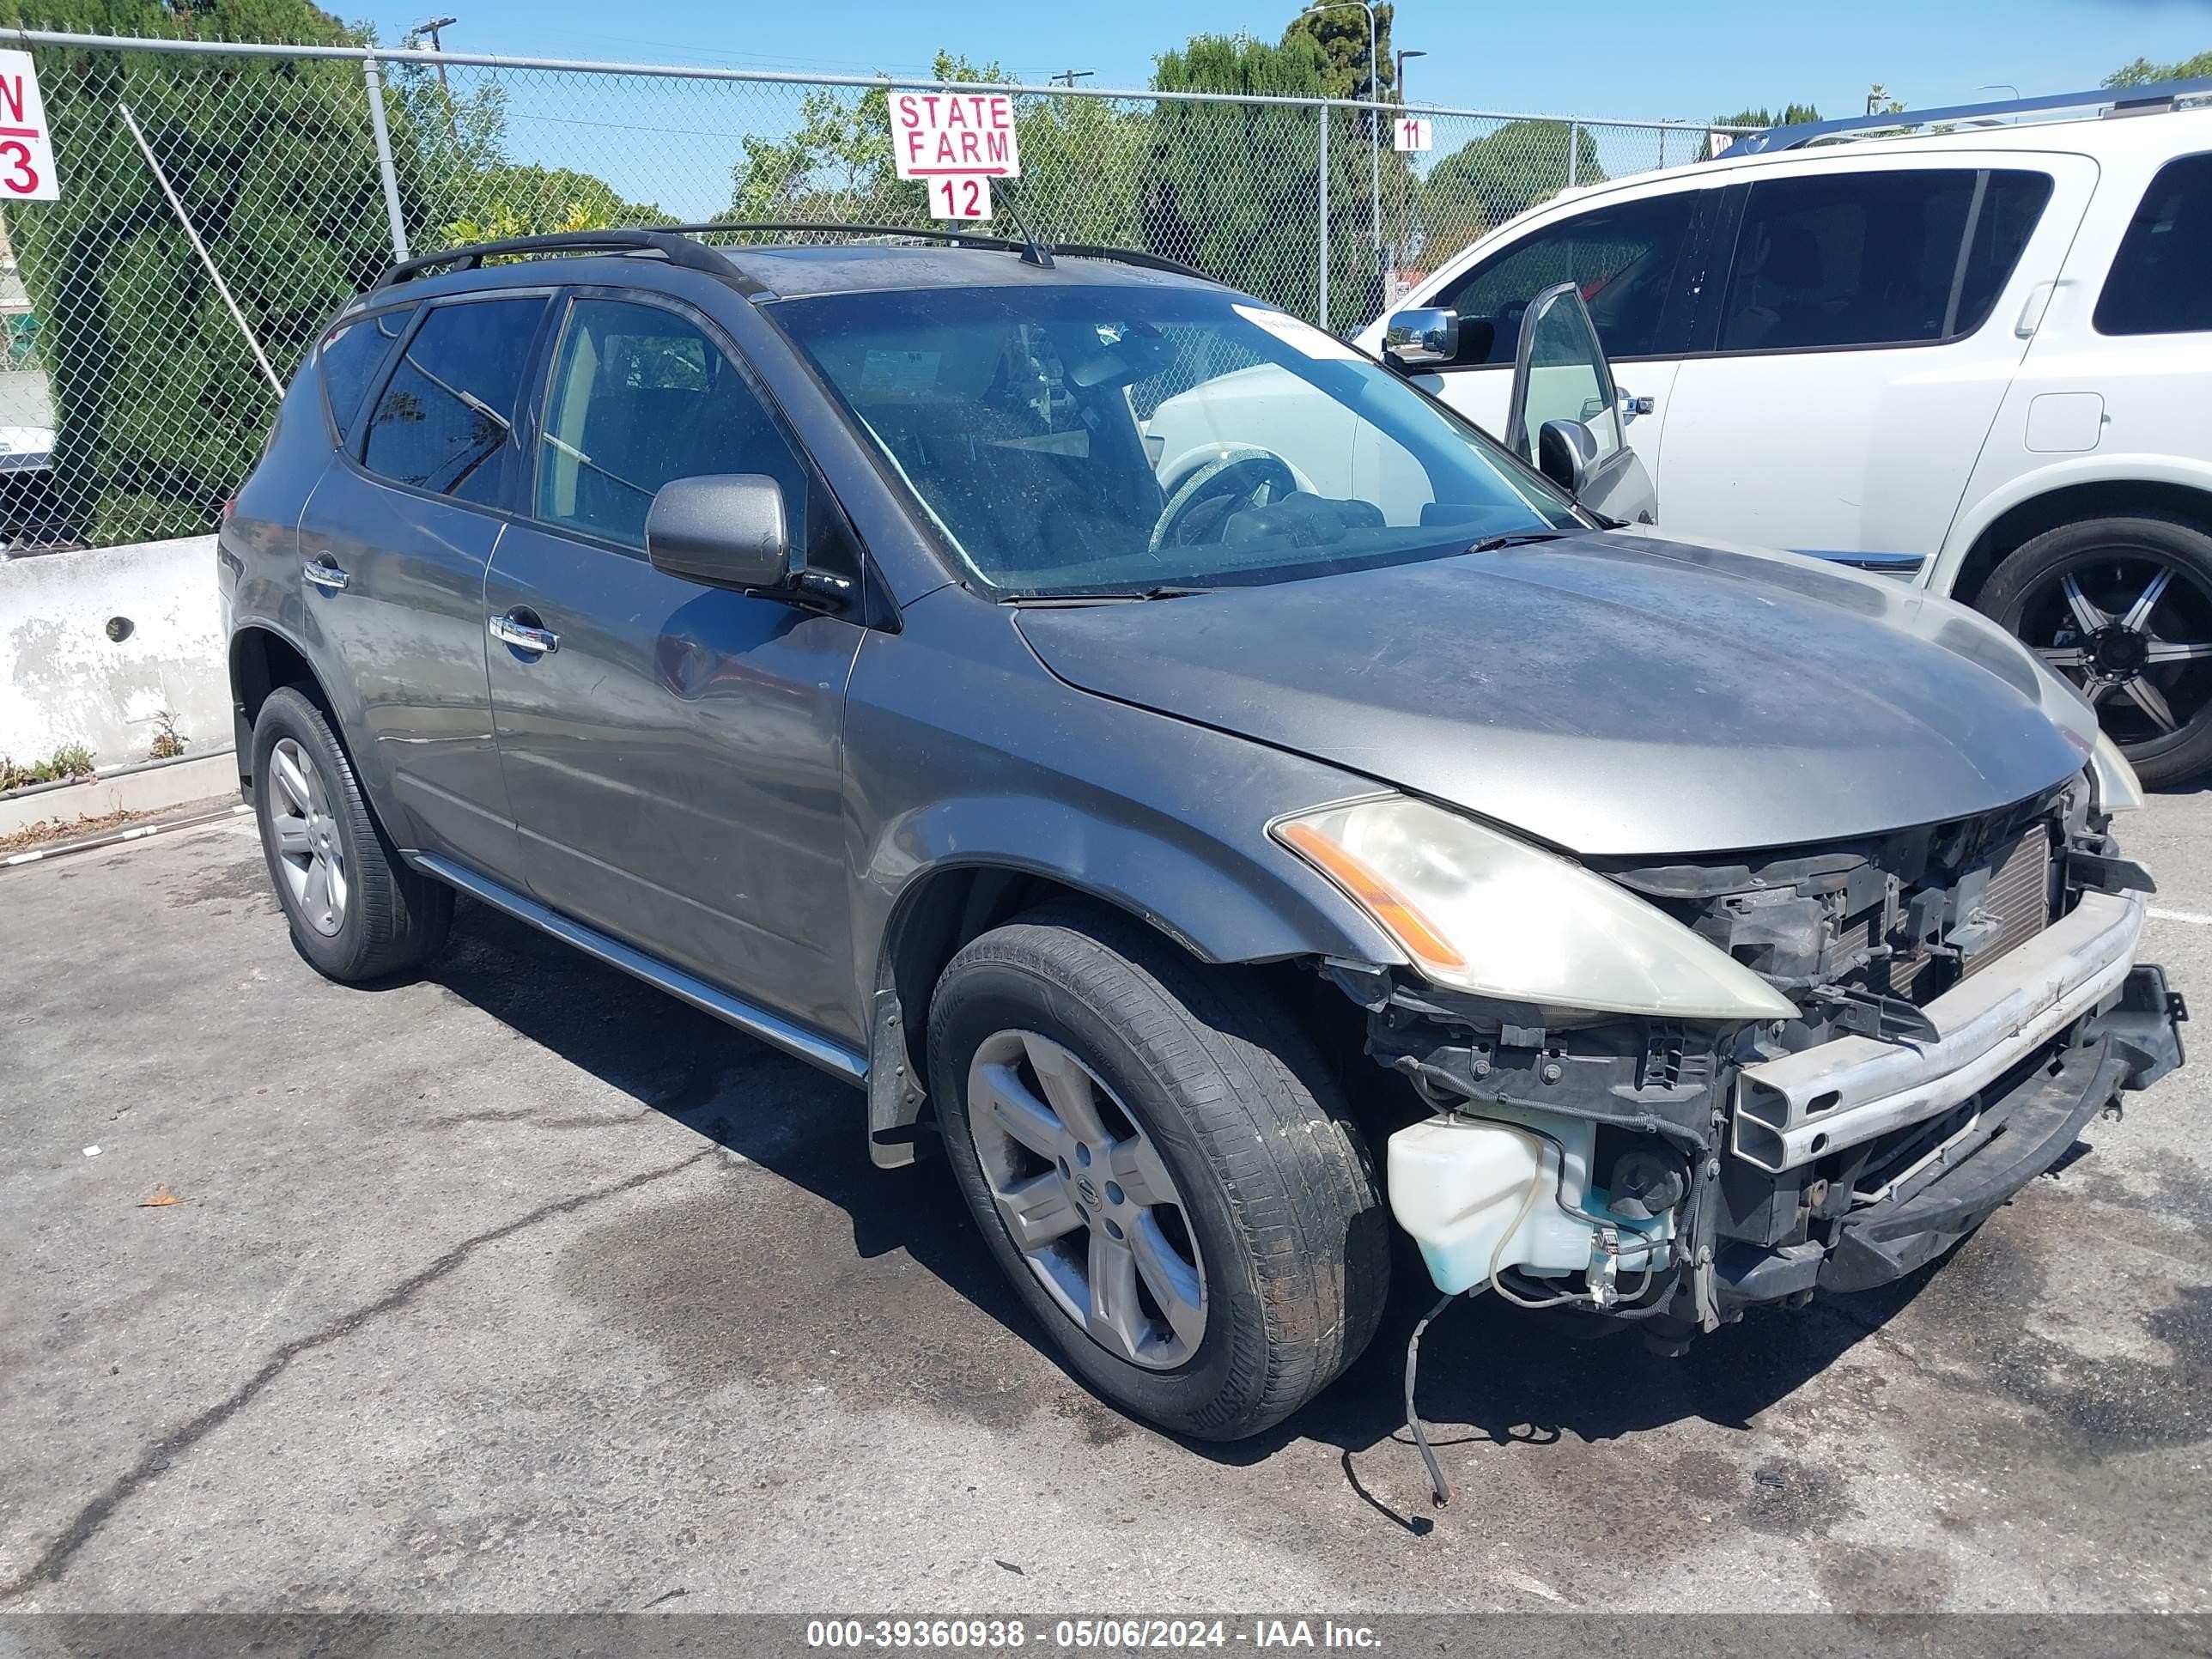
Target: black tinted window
{"points": [[445, 412], [1874, 258], [1623, 258], [351, 357], [2161, 278], [2012, 203], [641, 396]]}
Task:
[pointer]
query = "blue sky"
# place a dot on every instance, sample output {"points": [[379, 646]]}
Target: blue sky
{"points": [[1636, 58]]}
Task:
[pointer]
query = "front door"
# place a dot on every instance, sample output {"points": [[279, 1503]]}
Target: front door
{"points": [[1564, 417], [672, 756], [395, 542], [1631, 261]]}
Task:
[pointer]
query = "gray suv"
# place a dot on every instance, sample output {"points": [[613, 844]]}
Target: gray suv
{"points": [[840, 637]]}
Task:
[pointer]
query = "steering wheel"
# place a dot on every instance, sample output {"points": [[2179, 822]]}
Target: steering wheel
{"points": [[1239, 476]]}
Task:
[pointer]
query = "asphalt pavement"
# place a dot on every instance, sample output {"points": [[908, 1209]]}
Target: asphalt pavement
{"points": [[524, 1287]]}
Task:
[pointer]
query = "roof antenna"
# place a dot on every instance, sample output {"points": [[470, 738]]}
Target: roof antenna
{"points": [[1034, 253]]}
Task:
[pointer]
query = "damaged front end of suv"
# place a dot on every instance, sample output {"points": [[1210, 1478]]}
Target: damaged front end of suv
{"points": [[1666, 1090]]}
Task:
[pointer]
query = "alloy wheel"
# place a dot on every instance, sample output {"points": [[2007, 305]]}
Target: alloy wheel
{"points": [[1087, 1200], [2134, 631], [310, 852]]}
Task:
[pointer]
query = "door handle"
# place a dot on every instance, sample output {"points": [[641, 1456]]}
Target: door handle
{"points": [[325, 575], [1631, 406], [509, 630]]}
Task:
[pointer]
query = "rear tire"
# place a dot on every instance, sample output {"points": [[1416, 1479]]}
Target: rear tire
{"points": [[357, 912], [1261, 1183], [2111, 563]]}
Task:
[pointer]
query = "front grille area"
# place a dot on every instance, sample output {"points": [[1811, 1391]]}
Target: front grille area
{"points": [[1906, 915], [2016, 903]]}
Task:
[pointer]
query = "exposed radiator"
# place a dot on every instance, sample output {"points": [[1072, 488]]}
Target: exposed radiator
{"points": [[2017, 899]]}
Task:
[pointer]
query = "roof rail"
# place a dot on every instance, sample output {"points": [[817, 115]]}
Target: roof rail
{"points": [[2120, 100], [675, 244], [964, 238], [676, 248]]}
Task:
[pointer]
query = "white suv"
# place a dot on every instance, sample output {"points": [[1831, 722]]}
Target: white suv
{"points": [[1979, 359]]}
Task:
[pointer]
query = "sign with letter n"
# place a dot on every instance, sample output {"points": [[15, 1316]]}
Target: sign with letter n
{"points": [[937, 135], [26, 148]]}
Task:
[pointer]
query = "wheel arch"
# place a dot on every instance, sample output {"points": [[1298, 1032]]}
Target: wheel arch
{"points": [[262, 657], [942, 907], [2005, 523]]}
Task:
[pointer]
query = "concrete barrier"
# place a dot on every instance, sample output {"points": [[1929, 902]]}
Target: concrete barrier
{"points": [[65, 677], [59, 812]]}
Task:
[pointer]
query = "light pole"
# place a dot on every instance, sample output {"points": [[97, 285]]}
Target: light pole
{"points": [[1403, 57], [1374, 79]]}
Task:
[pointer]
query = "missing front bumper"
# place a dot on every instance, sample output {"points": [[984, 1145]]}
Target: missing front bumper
{"points": [[1792, 1110], [2128, 1045]]}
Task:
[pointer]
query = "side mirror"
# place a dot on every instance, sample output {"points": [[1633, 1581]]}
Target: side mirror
{"points": [[1565, 452], [726, 531], [1421, 337]]}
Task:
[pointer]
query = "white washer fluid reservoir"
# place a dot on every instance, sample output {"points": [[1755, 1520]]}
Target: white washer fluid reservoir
{"points": [[1472, 1191]]}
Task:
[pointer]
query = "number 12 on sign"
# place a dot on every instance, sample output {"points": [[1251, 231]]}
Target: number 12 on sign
{"points": [[960, 197]]}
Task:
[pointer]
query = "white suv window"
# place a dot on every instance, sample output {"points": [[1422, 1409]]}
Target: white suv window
{"points": [[2158, 283], [1903, 257], [1623, 258]]}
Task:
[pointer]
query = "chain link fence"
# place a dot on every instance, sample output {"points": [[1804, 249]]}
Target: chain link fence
{"points": [[281, 180]]}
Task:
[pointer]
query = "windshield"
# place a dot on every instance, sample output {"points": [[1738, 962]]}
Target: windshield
{"points": [[1089, 439]]}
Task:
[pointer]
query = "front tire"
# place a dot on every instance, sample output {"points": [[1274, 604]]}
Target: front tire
{"points": [[357, 912], [1161, 1166], [2122, 607]]}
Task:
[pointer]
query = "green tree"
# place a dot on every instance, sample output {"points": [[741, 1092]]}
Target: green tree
{"points": [[2144, 73], [1481, 184], [1232, 188], [159, 407], [1341, 34], [1793, 115]]}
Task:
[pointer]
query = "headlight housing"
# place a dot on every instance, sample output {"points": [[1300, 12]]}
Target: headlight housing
{"points": [[1479, 911]]}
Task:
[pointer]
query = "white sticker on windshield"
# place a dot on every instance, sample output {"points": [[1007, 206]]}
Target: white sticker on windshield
{"points": [[1298, 335], [899, 371]]}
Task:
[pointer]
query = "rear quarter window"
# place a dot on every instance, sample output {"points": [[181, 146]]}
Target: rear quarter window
{"points": [[351, 357], [2160, 281]]}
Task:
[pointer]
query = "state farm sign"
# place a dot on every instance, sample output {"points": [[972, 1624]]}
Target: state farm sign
{"points": [[945, 134]]}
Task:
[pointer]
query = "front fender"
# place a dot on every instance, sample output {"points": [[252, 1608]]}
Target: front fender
{"points": [[1220, 901], [963, 752]]}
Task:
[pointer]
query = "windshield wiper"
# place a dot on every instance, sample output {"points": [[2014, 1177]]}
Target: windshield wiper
{"points": [[1164, 590], [1519, 538]]}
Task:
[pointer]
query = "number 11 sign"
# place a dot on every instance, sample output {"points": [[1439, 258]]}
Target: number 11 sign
{"points": [[27, 148], [966, 196]]}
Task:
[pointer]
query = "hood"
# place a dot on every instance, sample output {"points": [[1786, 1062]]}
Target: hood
{"points": [[1608, 694]]}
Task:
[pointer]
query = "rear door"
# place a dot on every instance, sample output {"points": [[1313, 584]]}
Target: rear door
{"points": [[1634, 256], [395, 541], [1865, 325], [674, 759]]}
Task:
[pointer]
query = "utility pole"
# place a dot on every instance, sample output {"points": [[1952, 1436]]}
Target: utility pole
{"points": [[1403, 57], [431, 29], [1069, 77]]}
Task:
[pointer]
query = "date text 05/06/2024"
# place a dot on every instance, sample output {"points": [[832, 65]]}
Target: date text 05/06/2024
{"points": [[1089, 1635]]}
